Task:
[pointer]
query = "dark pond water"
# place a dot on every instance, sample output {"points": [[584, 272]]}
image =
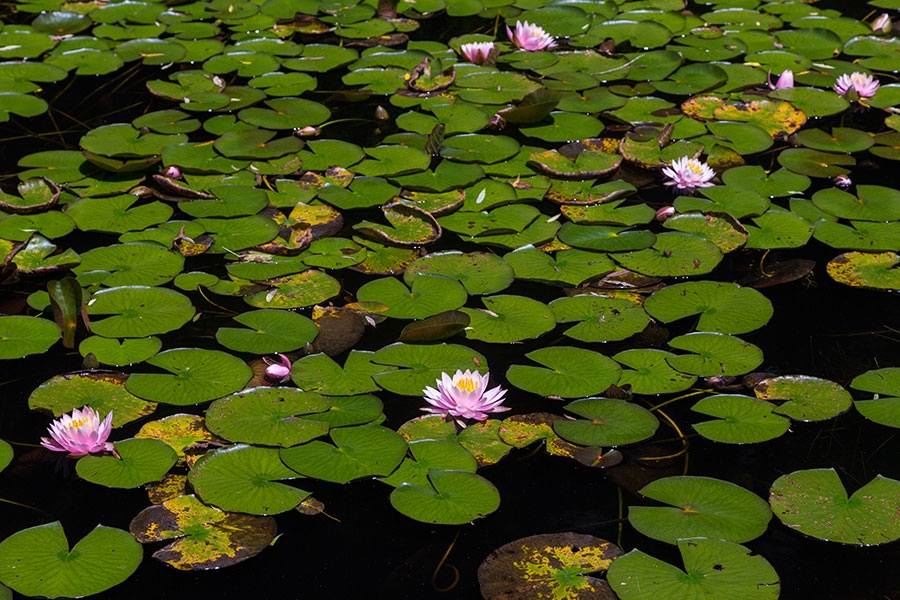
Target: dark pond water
{"points": [[368, 550]]}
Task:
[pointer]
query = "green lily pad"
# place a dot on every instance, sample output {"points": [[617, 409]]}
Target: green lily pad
{"points": [[137, 263], [805, 398], [712, 568], [267, 416], [39, 562], [715, 354], [410, 368], [138, 462], [566, 267], [673, 254], [479, 272], [268, 331], [599, 319], [885, 382], [428, 295], [201, 537], [24, 105], [814, 163], [285, 113], [117, 214], [606, 423], [179, 431], [430, 454], [740, 420], [103, 391], [722, 307], [815, 503], [735, 201], [26, 335], [359, 451], [776, 184], [859, 235], [569, 373], [392, 161], [410, 226], [245, 479], [295, 291], [700, 507], [866, 270], [195, 376], [138, 311], [6, 454], [649, 372], [872, 203], [453, 498], [507, 318], [319, 373]]}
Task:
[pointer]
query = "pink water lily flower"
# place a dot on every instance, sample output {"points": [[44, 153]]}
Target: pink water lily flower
{"points": [[530, 37], [856, 85], [479, 53], [785, 80], [465, 395], [689, 174], [80, 433]]}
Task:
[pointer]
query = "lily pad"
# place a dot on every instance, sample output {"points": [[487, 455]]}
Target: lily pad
{"points": [[268, 331], [722, 307], [599, 318], [26, 335], [649, 372], [715, 354], [740, 420], [700, 507], [138, 311], [410, 368], [195, 376], [885, 382], [453, 498], [428, 295], [815, 503], [712, 568], [201, 537], [319, 373], [805, 398], [866, 270], [139, 461], [509, 319], [103, 391], [606, 422], [38, 561], [570, 372], [245, 479]]}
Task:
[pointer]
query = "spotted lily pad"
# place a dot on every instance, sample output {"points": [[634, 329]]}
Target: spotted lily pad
{"points": [[714, 354], [815, 503], [103, 391], [805, 398], [885, 382], [866, 270], [598, 318], [673, 254], [201, 537], [562, 565]]}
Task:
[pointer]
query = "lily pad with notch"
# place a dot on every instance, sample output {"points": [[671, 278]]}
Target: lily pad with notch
{"points": [[427, 295], [268, 331], [509, 318], [599, 318], [38, 561], [569, 373], [714, 354], [409, 226], [295, 291], [775, 184], [700, 507], [452, 498], [732, 200], [566, 267], [479, 272], [881, 382], [117, 214], [320, 373], [739, 420], [815, 503], [673, 254], [285, 113], [430, 454], [138, 311], [245, 479], [722, 229], [268, 416], [358, 451], [607, 422], [649, 372], [138, 461], [720, 306], [712, 568], [26, 335], [805, 398], [866, 269], [410, 368], [136, 263], [201, 537], [871, 203], [195, 376]]}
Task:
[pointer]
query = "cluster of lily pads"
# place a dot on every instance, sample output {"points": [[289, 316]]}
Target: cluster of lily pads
{"points": [[511, 158]]}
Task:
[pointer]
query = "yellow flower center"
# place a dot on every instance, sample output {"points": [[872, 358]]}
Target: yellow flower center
{"points": [[467, 384], [695, 167], [78, 423]]}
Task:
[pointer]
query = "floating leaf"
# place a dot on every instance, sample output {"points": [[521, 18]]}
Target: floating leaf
{"points": [[607, 423], [741, 420], [454, 498], [598, 318], [650, 373], [268, 331], [700, 507], [195, 376], [815, 503], [428, 295], [569, 373], [805, 398], [722, 307], [39, 562], [105, 392], [509, 319], [138, 462], [26, 335], [269, 416]]}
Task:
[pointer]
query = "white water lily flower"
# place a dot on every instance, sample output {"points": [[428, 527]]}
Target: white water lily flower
{"points": [[80, 433], [465, 395], [689, 174]]}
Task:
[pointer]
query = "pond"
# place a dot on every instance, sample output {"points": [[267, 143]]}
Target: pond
{"points": [[450, 299]]}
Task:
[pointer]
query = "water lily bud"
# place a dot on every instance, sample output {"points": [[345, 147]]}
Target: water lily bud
{"points": [[843, 182], [664, 213], [882, 24], [381, 113], [172, 172], [308, 131]]}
